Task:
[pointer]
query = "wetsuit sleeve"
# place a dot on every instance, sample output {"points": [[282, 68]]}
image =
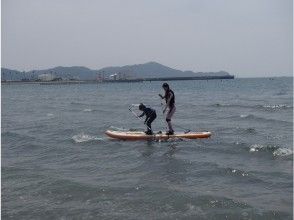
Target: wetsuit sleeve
{"points": [[147, 118], [149, 113], [141, 115]]}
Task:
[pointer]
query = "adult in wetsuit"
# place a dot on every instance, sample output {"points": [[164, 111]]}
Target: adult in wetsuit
{"points": [[150, 117], [170, 105]]}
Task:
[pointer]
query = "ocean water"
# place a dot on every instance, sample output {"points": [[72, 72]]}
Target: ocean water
{"points": [[58, 164]]}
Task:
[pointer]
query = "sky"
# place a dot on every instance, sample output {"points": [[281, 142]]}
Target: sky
{"points": [[247, 38]]}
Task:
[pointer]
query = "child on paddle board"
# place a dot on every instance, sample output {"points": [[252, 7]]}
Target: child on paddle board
{"points": [[170, 104], [150, 117]]}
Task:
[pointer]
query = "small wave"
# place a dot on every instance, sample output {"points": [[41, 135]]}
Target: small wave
{"points": [[232, 105], [261, 119], [251, 177], [226, 105], [283, 152], [251, 116], [93, 110], [237, 172], [260, 147], [276, 150], [78, 103], [275, 107], [49, 115], [246, 130], [80, 138]]}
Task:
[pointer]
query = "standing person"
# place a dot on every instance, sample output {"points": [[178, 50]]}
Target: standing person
{"points": [[170, 104], [150, 117]]}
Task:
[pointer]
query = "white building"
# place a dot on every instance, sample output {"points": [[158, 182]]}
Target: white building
{"points": [[46, 77], [113, 77]]}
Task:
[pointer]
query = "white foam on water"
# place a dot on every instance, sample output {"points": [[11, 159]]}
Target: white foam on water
{"points": [[244, 116], [239, 172], [276, 106], [87, 110], [276, 151], [80, 138], [283, 152], [260, 147], [256, 147], [49, 114]]}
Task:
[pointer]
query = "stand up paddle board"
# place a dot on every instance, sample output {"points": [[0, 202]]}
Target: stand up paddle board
{"points": [[139, 135]]}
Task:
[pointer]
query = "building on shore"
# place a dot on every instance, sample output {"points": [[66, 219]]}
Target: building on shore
{"points": [[46, 77]]}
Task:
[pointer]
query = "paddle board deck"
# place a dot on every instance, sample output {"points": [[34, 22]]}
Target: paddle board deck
{"points": [[139, 135]]}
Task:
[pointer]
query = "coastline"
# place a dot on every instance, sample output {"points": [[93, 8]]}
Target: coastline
{"points": [[118, 81]]}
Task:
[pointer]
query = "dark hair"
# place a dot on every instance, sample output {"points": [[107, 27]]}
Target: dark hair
{"points": [[165, 85], [142, 106]]}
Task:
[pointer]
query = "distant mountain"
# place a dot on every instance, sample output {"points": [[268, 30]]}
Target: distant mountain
{"points": [[153, 69], [8, 74], [146, 70], [74, 72]]}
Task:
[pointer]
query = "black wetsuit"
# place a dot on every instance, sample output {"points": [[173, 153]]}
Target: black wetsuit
{"points": [[150, 117], [168, 93]]}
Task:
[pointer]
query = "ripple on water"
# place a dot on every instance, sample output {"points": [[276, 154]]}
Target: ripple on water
{"points": [[82, 137], [274, 149]]}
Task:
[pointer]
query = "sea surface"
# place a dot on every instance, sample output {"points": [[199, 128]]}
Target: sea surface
{"points": [[58, 164]]}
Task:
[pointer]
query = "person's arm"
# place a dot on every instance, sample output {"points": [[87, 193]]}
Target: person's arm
{"points": [[141, 115], [167, 102], [148, 114], [161, 96]]}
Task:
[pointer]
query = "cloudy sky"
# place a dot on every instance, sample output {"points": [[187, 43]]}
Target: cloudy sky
{"points": [[244, 37]]}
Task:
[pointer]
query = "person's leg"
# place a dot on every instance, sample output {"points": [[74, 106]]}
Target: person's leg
{"points": [[168, 119], [149, 121], [170, 127]]}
